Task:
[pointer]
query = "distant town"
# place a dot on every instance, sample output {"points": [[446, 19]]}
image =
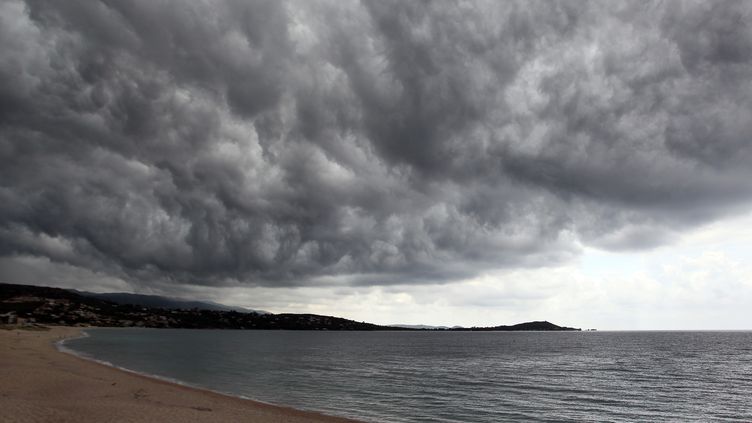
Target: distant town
{"points": [[27, 305]]}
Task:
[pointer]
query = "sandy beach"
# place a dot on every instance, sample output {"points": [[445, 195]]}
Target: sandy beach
{"points": [[38, 383]]}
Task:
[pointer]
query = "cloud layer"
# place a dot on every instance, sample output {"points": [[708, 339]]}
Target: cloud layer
{"points": [[274, 143]]}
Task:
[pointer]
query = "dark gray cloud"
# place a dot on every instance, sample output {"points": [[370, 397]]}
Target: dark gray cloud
{"points": [[292, 143]]}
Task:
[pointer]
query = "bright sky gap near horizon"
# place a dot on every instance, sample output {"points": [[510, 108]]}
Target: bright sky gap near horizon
{"points": [[444, 163]]}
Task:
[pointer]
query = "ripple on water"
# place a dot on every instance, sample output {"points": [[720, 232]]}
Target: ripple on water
{"points": [[455, 376]]}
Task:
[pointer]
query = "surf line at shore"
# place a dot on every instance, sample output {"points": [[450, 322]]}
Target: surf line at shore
{"points": [[48, 380], [60, 345]]}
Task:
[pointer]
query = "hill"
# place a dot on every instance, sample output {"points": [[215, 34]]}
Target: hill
{"points": [[157, 301], [527, 326], [44, 305]]}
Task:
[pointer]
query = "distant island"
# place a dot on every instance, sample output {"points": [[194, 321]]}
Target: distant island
{"points": [[28, 304], [527, 326]]}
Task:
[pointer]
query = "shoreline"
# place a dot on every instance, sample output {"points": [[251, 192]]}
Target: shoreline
{"points": [[61, 348], [39, 381]]}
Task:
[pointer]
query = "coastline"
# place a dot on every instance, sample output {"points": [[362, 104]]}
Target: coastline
{"points": [[39, 382]]}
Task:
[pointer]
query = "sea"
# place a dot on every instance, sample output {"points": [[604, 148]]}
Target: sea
{"points": [[436, 376]]}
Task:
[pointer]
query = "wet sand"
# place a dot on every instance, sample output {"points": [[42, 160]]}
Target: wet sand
{"points": [[38, 383]]}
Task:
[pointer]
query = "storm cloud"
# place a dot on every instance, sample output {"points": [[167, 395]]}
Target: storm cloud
{"points": [[270, 143]]}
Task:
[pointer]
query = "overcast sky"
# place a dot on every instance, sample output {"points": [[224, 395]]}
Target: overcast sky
{"points": [[588, 163]]}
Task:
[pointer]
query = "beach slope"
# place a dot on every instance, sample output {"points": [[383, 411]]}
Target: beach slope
{"points": [[40, 384]]}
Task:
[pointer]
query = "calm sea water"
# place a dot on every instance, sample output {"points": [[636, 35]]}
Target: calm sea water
{"points": [[455, 376]]}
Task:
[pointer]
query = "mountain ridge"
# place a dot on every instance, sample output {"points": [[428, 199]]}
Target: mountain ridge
{"points": [[160, 301], [47, 305]]}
